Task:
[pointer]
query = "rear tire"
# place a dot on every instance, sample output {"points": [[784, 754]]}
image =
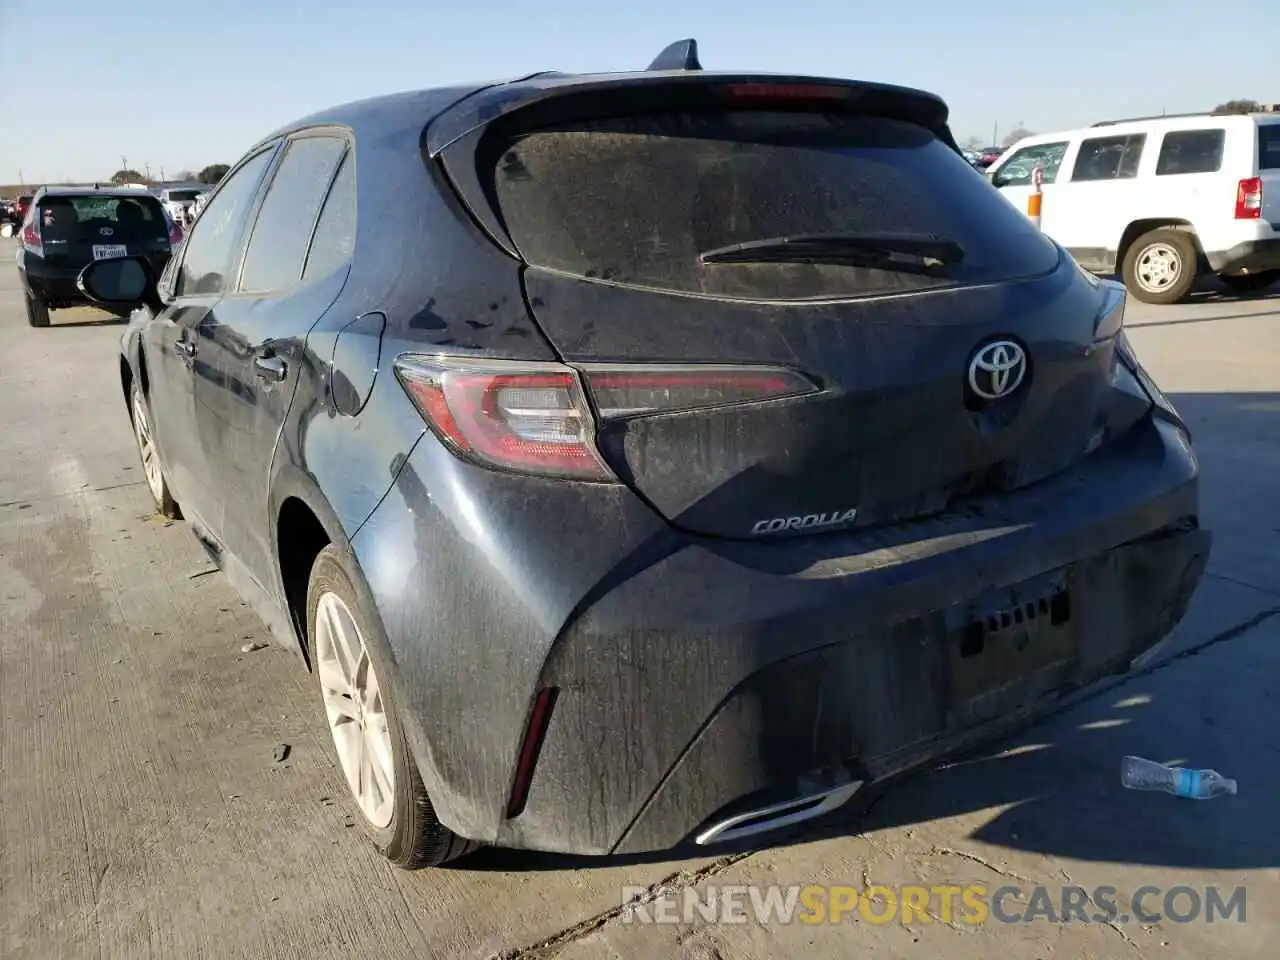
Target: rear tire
{"points": [[1249, 282], [37, 312], [149, 453], [1160, 266], [346, 644]]}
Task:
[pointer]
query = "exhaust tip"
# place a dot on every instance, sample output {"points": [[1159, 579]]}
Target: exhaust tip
{"points": [[751, 823]]}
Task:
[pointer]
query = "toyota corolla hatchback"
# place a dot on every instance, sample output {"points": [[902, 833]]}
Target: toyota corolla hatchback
{"points": [[646, 458]]}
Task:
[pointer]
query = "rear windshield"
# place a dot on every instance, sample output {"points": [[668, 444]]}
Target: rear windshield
{"points": [[90, 218], [183, 196], [635, 200], [1269, 146]]}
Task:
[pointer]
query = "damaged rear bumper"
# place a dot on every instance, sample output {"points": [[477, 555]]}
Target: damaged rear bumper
{"points": [[696, 679], [748, 684]]}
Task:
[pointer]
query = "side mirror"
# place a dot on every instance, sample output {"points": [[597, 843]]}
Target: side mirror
{"points": [[120, 280]]}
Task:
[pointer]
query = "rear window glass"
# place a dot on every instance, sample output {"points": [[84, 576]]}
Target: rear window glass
{"points": [[1269, 146], [80, 218], [635, 200], [183, 196]]}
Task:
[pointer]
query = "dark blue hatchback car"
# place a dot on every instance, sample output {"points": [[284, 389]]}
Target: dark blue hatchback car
{"points": [[657, 457]]}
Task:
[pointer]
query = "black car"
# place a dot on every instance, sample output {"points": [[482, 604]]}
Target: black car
{"points": [[654, 457], [66, 228]]}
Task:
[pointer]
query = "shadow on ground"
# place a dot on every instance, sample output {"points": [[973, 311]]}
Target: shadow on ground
{"points": [[1054, 789]]}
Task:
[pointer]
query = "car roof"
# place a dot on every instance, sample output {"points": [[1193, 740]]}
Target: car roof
{"points": [[1162, 124]]}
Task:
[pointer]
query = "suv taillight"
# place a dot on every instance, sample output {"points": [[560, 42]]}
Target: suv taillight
{"points": [[535, 418], [31, 237], [1249, 199]]}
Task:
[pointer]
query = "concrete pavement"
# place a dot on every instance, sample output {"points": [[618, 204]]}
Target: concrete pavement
{"points": [[142, 813]]}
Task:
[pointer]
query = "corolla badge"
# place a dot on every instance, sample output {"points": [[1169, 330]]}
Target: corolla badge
{"points": [[997, 369], [779, 524]]}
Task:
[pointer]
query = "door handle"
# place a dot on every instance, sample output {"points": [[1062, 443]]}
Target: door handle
{"points": [[272, 369]]}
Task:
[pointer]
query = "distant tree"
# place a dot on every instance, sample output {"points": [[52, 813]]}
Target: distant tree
{"points": [[127, 176], [213, 173], [1238, 106], [1016, 134], [973, 143], [184, 175]]}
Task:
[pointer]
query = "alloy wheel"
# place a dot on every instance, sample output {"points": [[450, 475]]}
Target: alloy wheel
{"points": [[354, 705]]}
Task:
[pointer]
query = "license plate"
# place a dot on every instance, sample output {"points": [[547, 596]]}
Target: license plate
{"points": [[105, 251]]}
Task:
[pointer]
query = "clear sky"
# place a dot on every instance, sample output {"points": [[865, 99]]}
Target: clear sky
{"points": [[184, 83]]}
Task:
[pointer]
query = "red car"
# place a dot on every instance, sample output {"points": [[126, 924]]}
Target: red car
{"points": [[22, 206]]}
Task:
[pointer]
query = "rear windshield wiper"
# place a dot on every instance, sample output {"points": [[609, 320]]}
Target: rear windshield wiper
{"points": [[905, 249]]}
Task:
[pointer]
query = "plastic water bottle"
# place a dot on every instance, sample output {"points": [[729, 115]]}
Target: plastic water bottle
{"points": [[1139, 774]]}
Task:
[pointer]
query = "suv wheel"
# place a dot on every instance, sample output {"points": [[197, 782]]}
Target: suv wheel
{"points": [[1249, 282], [141, 413], [372, 752], [37, 312], [1160, 266]]}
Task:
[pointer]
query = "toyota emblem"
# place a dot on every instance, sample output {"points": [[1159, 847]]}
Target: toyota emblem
{"points": [[105, 231], [997, 369]]}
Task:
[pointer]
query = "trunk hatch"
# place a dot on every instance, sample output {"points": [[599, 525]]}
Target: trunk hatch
{"points": [[613, 213]]}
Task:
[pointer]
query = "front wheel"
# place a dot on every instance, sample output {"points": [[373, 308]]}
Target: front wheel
{"points": [[1249, 282], [166, 506], [1160, 266], [369, 741]]}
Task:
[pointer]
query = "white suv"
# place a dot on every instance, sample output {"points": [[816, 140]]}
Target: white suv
{"points": [[1162, 199]]}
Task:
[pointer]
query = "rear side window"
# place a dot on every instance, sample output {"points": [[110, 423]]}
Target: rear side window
{"points": [[1191, 151], [102, 219], [1109, 158], [636, 200], [1269, 146], [335, 238], [282, 232]]}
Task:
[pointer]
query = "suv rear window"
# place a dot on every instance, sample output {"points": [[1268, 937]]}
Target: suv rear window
{"points": [[1269, 146], [129, 219], [635, 200]]}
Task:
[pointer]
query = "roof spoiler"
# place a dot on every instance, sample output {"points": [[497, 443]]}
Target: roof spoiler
{"points": [[681, 55]]}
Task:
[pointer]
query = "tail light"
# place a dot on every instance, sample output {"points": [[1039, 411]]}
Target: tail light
{"points": [[175, 234], [538, 418], [1249, 199], [31, 237]]}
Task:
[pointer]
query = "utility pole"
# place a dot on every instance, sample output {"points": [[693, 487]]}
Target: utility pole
{"points": [[995, 134]]}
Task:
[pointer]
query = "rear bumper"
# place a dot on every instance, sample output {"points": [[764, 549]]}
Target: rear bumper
{"points": [[1252, 256], [699, 677]]}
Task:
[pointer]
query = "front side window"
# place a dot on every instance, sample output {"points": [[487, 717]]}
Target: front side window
{"points": [[1018, 169], [1109, 158], [208, 249]]}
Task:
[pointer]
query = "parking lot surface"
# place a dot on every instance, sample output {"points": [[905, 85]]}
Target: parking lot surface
{"points": [[142, 813]]}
